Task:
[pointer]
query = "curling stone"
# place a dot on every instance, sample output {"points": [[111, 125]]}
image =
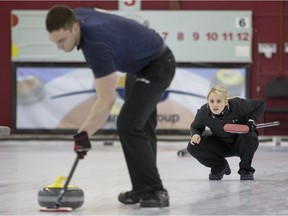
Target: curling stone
{"points": [[30, 89], [232, 79], [73, 197]]}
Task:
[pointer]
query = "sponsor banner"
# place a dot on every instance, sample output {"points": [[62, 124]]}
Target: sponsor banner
{"points": [[61, 97]]}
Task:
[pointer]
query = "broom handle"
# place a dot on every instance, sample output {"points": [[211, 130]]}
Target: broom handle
{"points": [[63, 191], [268, 124]]}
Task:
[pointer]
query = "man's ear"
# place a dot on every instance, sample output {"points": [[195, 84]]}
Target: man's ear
{"points": [[76, 27], [76, 31]]}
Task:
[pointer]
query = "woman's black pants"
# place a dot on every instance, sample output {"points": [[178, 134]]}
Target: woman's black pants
{"points": [[212, 151]]}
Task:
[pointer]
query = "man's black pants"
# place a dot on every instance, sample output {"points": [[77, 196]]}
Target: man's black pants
{"points": [[137, 121]]}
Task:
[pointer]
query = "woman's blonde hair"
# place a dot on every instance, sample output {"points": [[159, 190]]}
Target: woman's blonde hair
{"points": [[220, 91]]}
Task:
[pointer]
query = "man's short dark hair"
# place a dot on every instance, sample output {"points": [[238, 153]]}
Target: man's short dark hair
{"points": [[58, 17]]}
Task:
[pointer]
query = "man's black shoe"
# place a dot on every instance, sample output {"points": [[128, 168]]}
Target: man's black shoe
{"points": [[130, 197], [219, 175], [246, 175], [155, 199]]}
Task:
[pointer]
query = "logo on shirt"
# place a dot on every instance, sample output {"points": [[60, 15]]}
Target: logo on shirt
{"points": [[143, 80]]}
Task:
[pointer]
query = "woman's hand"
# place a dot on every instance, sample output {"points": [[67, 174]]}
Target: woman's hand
{"points": [[195, 139]]}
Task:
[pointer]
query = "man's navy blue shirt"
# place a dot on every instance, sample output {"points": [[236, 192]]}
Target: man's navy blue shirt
{"points": [[113, 43]]}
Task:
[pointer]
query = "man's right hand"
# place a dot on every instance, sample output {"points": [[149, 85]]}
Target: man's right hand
{"points": [[82, 144]]}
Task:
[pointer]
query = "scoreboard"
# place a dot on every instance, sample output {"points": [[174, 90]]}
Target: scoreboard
{"points": [[193, 36]]}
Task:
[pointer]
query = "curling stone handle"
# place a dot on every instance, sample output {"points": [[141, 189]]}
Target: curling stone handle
{"points": [[58, 182]]}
